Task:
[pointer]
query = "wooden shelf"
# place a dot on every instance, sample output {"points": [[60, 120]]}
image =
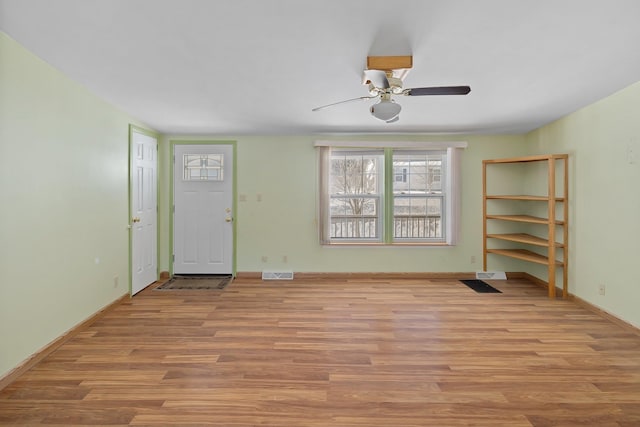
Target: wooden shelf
{"points": [[556, 207], [523, 254], [523, 197], [524, 218], [524, 238], [522, 159]]}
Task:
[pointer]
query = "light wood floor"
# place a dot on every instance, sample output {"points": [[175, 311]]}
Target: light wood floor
{"points": [[338, 353]]}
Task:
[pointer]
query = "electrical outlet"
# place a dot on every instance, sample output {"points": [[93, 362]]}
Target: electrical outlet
{"points": [[602, 289], [473, 259], [116, 281], [264, 258], [285, 258]]}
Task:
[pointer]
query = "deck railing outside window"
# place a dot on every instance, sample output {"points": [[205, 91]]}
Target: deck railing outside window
{"points": [[417, 227], [407, 226]]}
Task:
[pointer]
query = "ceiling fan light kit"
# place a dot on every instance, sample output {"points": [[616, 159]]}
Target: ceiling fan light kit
{"points": [[384, 77], [386, 110]]}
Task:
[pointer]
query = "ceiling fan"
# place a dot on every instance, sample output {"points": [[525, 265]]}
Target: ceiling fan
{"points": [[384, 76]]}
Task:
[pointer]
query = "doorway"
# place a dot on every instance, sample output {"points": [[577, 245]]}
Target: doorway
{"points": [[203, 208]]}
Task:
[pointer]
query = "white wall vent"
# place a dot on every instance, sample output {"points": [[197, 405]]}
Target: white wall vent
{"points": [[277, 275], [495, 275]]}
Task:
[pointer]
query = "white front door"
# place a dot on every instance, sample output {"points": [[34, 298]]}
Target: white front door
{"points": [[144, 211], [203, 202]]}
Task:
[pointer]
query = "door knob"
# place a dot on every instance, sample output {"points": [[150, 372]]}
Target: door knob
{"points": [[228, 219], [135, 219]]}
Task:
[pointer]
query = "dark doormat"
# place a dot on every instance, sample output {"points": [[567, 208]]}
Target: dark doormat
{"points": [[196, 282], [481, 286]]}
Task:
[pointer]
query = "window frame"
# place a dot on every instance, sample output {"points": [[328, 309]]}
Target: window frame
{"points": [[442, 196], [378, 196], [450, 196]]}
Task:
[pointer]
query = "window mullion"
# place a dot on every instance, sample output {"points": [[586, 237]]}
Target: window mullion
{"points": [[387, 196]]}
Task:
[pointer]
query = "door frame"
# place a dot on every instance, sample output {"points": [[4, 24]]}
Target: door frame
{"points": [[234, 199], [137, 129]]}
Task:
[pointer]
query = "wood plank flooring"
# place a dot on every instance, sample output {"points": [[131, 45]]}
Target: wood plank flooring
{"points": [[356, 353]]}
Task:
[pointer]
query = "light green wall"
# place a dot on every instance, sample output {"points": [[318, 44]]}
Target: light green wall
{"points": [[63, 176], [604, 232], [282, 171], [63, 222]]}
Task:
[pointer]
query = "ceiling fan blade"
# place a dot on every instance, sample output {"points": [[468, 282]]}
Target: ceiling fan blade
{"points": [[441, 90], [378, 78], [345, 101]]}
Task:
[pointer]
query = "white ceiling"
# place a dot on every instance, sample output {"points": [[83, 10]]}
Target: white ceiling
{"points": [[260, 66]]}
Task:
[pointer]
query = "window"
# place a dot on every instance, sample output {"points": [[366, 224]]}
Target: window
{"points": [[388, 195], [418, 199], [203, 167], [355, 187]]}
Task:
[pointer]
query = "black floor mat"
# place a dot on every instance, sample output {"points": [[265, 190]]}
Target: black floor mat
{"points": [[196, 282], [481, 286]]}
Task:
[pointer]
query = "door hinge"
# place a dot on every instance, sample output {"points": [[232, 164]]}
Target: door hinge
{"points": [[174, 208], [174, 257]]}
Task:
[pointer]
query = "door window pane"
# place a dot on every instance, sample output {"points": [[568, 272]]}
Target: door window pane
{"points": [[203, 167]]}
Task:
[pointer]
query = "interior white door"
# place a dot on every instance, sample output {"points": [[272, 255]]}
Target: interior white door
{"points": [[144, 211], [203, 202]]}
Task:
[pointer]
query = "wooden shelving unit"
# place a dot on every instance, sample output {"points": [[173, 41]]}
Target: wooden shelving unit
{"points": [[544, 247]]}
